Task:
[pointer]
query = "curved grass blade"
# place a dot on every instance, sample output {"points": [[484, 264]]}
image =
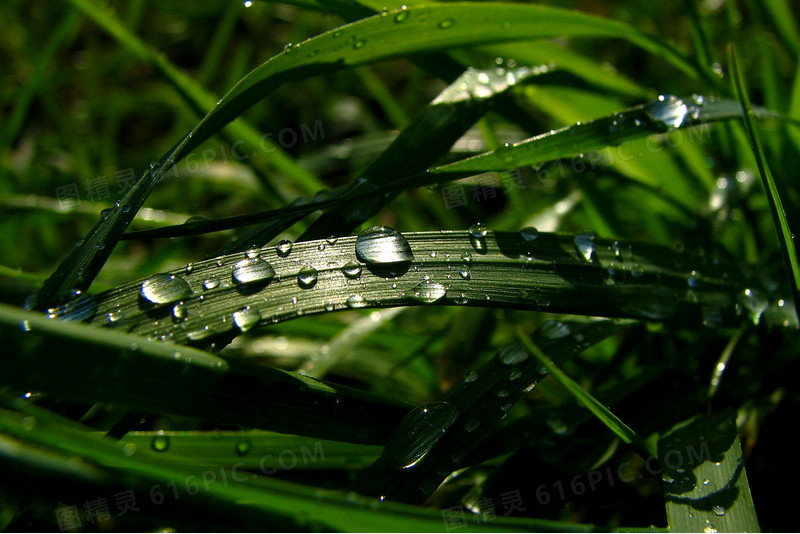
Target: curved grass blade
{"points": [[664, 114], [705, 483], [94, 364], [398, 33], [582, 274], [74, 465], [622, 431], [433, 440], [785, 234]]}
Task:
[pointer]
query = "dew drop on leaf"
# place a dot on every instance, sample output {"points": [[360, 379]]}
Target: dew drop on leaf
{"points": [[307, 277], [246, 318], [356, 301], [165, 288], [252, 270], [211, 282], [242, 447], [403, 15], [284, 248], [160, 443], [417, 433], [429, 291], [477, 237], [529, 234], [584, 244], [351, 270], [383, 245], [512, 355], [552, 329], [446, 23]]}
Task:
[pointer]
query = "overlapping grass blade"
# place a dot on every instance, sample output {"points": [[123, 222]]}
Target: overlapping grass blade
{"points": [[107, 365], [614, 423], [175, 493], [400, 32], [785, 234], [704, 480], [434, 439]]}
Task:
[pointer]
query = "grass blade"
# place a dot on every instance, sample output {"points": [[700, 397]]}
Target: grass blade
{"points": [[786, 236], [399, 33], [619, 428], [704, 480]]}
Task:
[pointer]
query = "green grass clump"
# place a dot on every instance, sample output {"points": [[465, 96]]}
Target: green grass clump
{"points": [[404, 266]]}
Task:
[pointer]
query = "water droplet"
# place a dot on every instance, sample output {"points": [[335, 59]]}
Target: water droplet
{"points": [[165, 288], [307, 277], [115, 316], [252, 270], [383, 245], [253, 253], [693, 280], [464, 273], [359, 43], [470, 425], [81, 307], [160, 443], [243, 446], [356, 301], [284, 248], [461, 298], [512, 355], [331, 239], [472, 376], [514, 374], [467, 258], [403, 15], [246, 318], [417, 433], [351, 270], [477, 236], [329, 306], [552, 329], [429, 291], [706, 482], [755, 302], [584, 243], [211, 282], [200, 334], [529, 233], [179, 312], [667, 111], [446, 23], [719, 510]]}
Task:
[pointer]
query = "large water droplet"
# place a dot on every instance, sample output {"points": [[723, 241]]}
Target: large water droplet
{"points": [[179, 312], [246, 318], [667, 112], [252, 270], [584, 243], [307, 277], [383, 245], [417, 433], [429, 291], [512, 355], [552, 329], [164, 288]]}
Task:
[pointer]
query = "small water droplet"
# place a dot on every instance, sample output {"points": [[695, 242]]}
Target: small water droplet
{"points": [[512, 355], [243, 446], [417, 433], [719, 510], [706, 482], [284, 248], [584, 243], [529, 233], [755, 302], [446, 23], [472, 376], [351, 270], [246, 318], [252, 270], [359, 43], [356, 301], [403, 15], [164, 288], [179, 312], [552, 329], [329, 306], [464, 273], [693, 280], [160, 443], [331, 239], [429, 291], [211, 282], [470, 425], [307, 277], [383, 245], [477, 236], [467, 258]]}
